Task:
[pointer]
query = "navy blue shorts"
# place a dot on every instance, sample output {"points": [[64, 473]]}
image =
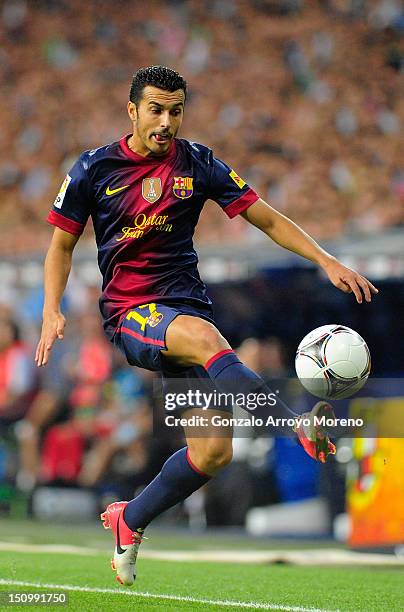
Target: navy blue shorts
{"points": [[141, 336]]}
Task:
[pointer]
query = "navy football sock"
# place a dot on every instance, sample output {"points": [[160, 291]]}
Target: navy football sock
{"points": [[176, 481], [231, 376]]}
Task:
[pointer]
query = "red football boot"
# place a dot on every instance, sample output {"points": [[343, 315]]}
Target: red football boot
{"points": [[127, 543], [314, 437]]}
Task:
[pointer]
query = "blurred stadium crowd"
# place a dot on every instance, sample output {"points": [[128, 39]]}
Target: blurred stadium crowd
{"points": [[302, 97]]}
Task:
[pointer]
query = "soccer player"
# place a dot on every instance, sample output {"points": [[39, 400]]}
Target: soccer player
{"points": [[145, 193]]}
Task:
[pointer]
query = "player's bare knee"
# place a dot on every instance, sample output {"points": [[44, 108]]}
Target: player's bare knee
{"points": [[215, 456], [218, 457], [194, 340], [208, 342]]}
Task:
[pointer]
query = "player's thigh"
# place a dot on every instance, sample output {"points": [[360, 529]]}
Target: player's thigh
{"points": [[210, 444], [192, 340]]}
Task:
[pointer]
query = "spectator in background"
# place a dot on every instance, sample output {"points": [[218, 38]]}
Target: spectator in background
{"points": [[48, 405], [88, 367], [17, 377]]}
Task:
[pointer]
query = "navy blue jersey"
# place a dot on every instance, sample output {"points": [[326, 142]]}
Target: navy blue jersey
{"points": [[144, 212]]}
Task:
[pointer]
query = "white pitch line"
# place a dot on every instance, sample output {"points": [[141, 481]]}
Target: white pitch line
{"points": [[217, 602]]}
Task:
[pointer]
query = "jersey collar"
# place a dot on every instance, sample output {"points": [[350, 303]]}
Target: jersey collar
{"points": [[148, 159]]}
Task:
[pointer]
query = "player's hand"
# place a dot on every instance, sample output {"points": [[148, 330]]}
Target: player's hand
{"points": [[349, 281], [53, 327]]}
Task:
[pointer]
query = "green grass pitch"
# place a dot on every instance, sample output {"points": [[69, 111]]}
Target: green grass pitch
{"points": [[210, 586]]}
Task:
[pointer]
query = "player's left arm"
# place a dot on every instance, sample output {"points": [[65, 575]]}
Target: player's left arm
{"points": [[290, 236]]}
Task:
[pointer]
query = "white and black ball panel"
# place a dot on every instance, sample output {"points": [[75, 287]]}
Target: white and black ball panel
{"points": [[317, 335], [342, 389], [360, 355], [307, 366], [335, 347]]}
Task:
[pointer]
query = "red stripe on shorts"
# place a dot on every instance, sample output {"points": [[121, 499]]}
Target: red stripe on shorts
{"points": [[130, 332]]}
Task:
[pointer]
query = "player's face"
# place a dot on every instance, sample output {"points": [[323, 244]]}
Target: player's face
{"points": [[156, 120]]}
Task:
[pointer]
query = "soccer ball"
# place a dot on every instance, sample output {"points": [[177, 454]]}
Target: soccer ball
{"points": [[333, 362]]}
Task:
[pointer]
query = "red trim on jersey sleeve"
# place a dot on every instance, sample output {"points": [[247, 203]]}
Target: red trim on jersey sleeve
{"points": [[68, 225], [241, 204]]}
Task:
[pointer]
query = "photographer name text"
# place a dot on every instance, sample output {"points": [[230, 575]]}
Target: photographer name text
{"points": [[253, 421]]}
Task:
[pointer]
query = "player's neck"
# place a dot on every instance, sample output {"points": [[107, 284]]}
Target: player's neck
{"points": [[137, 146]]}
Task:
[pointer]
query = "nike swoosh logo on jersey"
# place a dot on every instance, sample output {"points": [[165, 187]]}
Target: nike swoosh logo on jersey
{"points": [[110, 191], [119, 549]]}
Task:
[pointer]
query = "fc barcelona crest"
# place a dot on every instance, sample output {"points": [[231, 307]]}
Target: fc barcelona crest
{"points": [[151, 189], [155, 318], [183, 187]]}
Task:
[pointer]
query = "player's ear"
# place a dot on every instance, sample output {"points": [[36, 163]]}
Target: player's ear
{"points": [[132, 111]]}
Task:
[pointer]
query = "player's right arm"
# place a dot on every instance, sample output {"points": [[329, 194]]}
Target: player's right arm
{"points": [[69, 214], [56, 273]]}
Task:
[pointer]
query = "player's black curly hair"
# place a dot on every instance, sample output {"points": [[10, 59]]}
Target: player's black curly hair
{"points": [[157, 76]]}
